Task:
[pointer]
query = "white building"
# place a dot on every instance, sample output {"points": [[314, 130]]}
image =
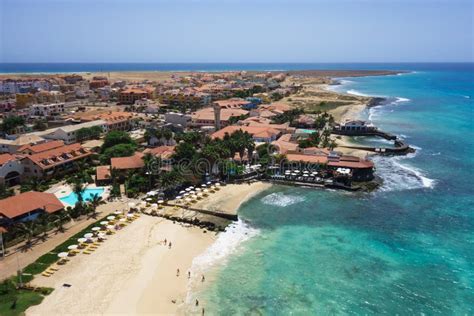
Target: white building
{"points": [[11, 170], [47, 109], [178, 119], [68, 133]]}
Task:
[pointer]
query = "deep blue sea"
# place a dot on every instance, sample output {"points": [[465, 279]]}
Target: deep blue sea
{"points": [[407, 249], [105, 67]]}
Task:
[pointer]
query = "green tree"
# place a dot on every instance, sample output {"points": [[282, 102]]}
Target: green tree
{"points": [[119, 150], [114, 138], [40, 125], [10, 123]]}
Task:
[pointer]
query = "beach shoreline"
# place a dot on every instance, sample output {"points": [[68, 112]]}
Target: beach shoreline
{"points": [[134, 271]]}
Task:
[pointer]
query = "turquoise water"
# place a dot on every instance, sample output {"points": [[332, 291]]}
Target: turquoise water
{"points": [[406, 249], [71, 199]]}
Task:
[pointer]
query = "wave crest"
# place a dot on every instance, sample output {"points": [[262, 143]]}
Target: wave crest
{"points": [[397, 176], [281, 200]]}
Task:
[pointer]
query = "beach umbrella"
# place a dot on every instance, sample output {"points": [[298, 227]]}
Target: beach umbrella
{"points": [[82, 240], [103, 223], [131, 215], [149, 199], [110, 227], [209, 183], [297, 171], [151, 193], [111, 217], [182, 192], [62, 255], [186, 194], [154, 205], [306, 171], [191, 187], [88, 235], [188, 189], [305, 175], [218, 184], [101, 235], [161, 201], [95, 229], [179, 197], [123, 220], [203, 185], [117, 213], [198, 190], [287, 172], [72, 247]]}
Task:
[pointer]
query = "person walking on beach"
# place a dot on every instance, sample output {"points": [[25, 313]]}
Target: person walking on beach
{"points": [[197, 302], [189, 274], [165, 242], [203, 278], [203, 311], [177, 272], [169, 245]]}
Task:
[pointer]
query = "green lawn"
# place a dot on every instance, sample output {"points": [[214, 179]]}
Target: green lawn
{"points": [[23, 298]]}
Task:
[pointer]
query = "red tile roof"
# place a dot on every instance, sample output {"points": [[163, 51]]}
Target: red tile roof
{"points": [[23, 203], [58, 156], [4, 158], [43, 146], [165, 152], [102, 173], [124, 163], [255, 131]]}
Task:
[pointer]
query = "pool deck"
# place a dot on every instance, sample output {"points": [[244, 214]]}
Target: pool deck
{"points": [[63, 190]]}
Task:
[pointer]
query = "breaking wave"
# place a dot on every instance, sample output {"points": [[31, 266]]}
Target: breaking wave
{"points": [[281, 200], [226, 243], [398, 176]]}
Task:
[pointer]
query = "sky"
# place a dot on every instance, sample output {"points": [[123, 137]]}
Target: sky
{"points": [[236, 31]]}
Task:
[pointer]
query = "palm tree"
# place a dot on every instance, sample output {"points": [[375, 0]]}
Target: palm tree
{"points": [[28, 229], [94, 202], [78, 188]]}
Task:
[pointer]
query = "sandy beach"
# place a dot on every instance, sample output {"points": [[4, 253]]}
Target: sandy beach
{"points": [[133, 271], [230, 197]]}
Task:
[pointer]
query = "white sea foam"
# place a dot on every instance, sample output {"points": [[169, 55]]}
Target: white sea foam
{"points": [[281, 200], [358, 93], [226, 243], [397, 175], [400, 99]]}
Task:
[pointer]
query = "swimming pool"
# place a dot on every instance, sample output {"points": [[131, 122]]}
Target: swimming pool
{"points": [[71, 199], [305, 131]]}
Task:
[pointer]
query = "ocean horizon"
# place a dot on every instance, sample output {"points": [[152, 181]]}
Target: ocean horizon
{"points": [[19, 68]]}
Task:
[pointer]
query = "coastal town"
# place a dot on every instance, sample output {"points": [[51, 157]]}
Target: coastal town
{"points": [[83, 156]]}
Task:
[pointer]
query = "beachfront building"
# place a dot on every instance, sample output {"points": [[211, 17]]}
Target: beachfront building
{"points": [[11, 170], [27, 206], [355, 126], [359, 169], [58, 160]]}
